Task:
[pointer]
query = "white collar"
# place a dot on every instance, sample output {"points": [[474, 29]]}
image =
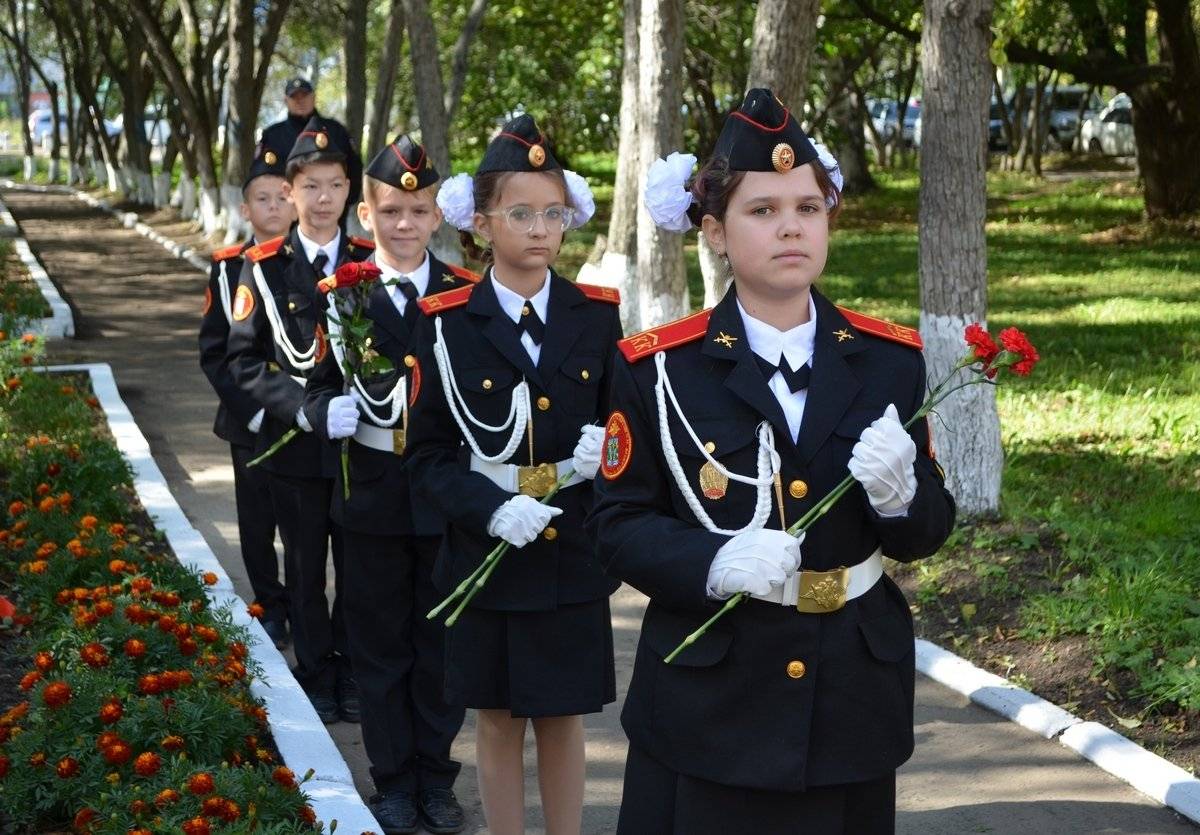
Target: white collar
{"points": [[311, 247], [511, 303], [769, 343], [419, 277]]}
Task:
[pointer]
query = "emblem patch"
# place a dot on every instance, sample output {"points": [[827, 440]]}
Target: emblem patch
{"points": [[414, 382], [207, 301], [322, 343], [618, 446], [243, 303]]}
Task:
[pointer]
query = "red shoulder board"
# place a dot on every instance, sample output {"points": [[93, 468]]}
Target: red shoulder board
{"points": [[464, 273], [447, 300], [265, 250], [601, 294], [365, 243], [228, 252], [883, 328], [681, 331]]}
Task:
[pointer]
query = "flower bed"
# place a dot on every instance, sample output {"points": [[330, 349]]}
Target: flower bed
{"points": [[135, 713]]}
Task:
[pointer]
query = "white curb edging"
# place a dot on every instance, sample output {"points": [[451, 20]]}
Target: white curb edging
{"points": [[1119, 756], [60, 324], [298, 732]]}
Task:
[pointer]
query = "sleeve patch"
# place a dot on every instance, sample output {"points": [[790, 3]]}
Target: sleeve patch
{"points": [[618, 446], [207, 301], [414, 382], [243, 303]]}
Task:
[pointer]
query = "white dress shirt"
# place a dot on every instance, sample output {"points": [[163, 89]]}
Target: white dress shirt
{"points": [[311, 248], [419, 278], [796, 346], [511, 303]]}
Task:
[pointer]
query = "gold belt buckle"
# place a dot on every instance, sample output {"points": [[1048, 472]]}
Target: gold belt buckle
{"points": [[822, 591], [398, 441], [537, 480]]}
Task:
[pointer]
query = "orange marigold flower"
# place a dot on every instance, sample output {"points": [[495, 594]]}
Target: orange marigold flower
{"points": [[166, 623], [238, 650], [67, 768], [46, 505], [37, 759], [29, 679], [140, 831], [44, 661], [12, 383], [104, 608], [77, 549], [149, 684], [56, 694], [64, 500], [28, 338], [53, 468], [94, 655], [213, 806], [196, 826], [231, 811], [118, 752], [142, 584], [116, 529], [16, 508], [147, 763], [85, 618], [139, 807], [172, 743], [20, 526], [83, 818], [284, 776], [106, 739], [210, 578], [89, 522], [92, 401], [307, 814], [111, 712], [37, 566], [201, 784], [42, 489], [166, 797], [255, 610], [188, 647]]}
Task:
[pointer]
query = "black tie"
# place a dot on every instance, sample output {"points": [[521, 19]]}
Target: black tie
{"points": [[411, 310], [318, 264], [796, 380], [531, 324]]}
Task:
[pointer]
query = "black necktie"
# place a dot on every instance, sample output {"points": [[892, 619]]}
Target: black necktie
{"points": [[530, 323], [410, 309], [796, 380], [318, 264]]}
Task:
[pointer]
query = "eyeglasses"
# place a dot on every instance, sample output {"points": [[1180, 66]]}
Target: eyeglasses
{"points": [[523, 219]]}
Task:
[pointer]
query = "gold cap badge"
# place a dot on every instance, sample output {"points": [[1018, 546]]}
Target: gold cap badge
{"points": [[408, 180], [321, 140], [783, 157], [269, 158], [537, 156]]}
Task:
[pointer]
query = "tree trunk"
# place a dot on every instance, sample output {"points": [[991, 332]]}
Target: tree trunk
{"points": [[427, 77], [618, 265], [847, 113], [356, 71], [952, 260], [784, 32], [242, 118], [385, 87], [462, 51], [661, 275]]}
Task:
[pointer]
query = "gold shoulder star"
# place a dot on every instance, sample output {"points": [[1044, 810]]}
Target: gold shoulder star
{"points": [[843, 334], [725, 339]]}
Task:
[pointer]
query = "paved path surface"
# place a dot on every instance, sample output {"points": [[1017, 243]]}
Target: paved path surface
{"points": [[138, 309]]}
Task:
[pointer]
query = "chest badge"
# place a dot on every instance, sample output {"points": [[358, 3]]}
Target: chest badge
{"points": [[713, 483]]}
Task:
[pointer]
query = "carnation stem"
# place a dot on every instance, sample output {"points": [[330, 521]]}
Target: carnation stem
{"points": [[275, 447]]}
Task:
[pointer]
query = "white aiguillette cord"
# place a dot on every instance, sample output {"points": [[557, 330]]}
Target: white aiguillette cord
{"points": [[223, 288], [769, 461], [394, 401], [518, 411], [301, 360]]}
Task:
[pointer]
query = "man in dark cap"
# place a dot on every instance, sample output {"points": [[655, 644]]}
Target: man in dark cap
{"points": [[301, 102]]}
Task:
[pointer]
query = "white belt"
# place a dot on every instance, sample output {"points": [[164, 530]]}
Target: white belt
{"points": [[375, 437], [533, 481], [816, 592]]}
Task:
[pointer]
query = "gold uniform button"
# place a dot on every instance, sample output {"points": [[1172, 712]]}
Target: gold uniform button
{"points": [[798, 490], [550, 533], [525, 310], [796, 669], [543, 403], [291, 305], [487, 385], [710, 447], [410, 361], [584, 374]]}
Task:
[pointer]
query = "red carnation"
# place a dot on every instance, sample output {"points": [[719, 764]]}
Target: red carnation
{"points": [[979, 339], [1018, 343], [350, 274]]}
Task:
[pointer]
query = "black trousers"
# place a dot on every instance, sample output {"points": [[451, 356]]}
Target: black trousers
{"points": [[398, 659], [659, 801], [256, 531], [318, 637]]}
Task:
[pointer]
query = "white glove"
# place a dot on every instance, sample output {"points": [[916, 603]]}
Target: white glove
{"points": [[302, 420], [586, 458], [341, 419], [753, 562], [255, 423], [882, 461], [520, 519]]}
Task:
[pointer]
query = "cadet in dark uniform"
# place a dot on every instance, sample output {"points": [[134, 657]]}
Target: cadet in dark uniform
{"points": [[515, 375], [392, 539], [278, 336], [239, 416], [301, 102], [792, 713]]}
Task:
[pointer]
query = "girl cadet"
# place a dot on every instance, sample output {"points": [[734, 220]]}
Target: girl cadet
{"points": [[792, 713], [515, 373]]}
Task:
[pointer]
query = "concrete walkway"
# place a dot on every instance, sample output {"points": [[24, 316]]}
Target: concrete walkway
{"points": [[138, 309]]}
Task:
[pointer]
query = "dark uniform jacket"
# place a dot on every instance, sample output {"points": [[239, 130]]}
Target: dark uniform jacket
{"points": [[736, 708], [261, 368], [283, 135], [568, 389], [381, 501], [235, 407]]}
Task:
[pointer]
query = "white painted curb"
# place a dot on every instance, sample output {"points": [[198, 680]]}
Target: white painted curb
{"points": [[299, 734], [60, 324], [1121, 757]]}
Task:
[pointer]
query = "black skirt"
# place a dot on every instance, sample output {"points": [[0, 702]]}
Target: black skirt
{"points": [[659, 801], [533, 664]]}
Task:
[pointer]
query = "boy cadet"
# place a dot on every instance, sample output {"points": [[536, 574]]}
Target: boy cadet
{"points": [[393, 541], [277, 337], [239, 415]]}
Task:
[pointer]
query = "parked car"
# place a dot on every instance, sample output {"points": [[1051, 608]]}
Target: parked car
{"points": [[157, 129], [1111, 130], [1061, 112], [40, 122], [996, 140], [884, 116]]}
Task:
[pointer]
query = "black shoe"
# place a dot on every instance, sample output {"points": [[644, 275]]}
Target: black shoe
{"points": [[441, 812], [326, 707], [277, 631], [347, 696], [396, 812]]}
